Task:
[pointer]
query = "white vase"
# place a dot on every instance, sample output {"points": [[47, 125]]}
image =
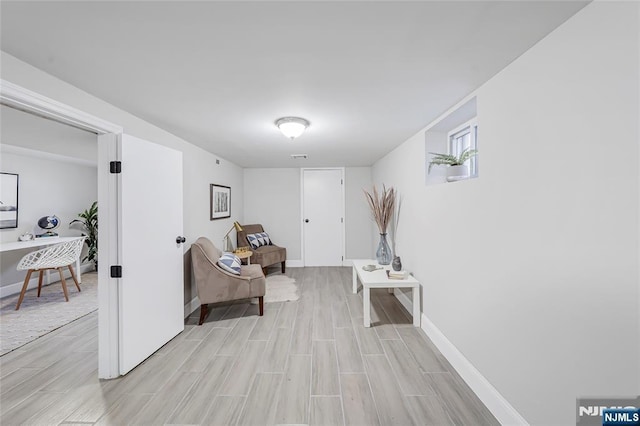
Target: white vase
{"points": [[457, 173]]}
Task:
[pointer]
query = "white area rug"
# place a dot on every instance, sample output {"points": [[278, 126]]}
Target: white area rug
{"points": [[280, 288], [41, 315]]}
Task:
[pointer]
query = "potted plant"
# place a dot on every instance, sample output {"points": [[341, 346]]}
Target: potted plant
{"points": [[89, 221], [457, 168]]}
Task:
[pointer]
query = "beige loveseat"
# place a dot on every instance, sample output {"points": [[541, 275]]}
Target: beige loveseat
{"points": [[265, 255], [217, 285]]}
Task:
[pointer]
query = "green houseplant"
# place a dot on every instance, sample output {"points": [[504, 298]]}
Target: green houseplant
{"points": [[89, 221], [456, 167]]}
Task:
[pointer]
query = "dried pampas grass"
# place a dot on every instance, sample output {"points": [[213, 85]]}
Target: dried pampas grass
{"points": [[382, 206]]}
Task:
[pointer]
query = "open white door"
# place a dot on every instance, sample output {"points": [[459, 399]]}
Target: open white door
{"points": [[323, 207], [151, 304]]}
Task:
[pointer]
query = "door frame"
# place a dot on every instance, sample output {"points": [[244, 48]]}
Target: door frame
{"points": [[343, 210], [108, 134]]}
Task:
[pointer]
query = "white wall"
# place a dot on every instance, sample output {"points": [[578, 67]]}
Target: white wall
{"points": [[200, 168], [531, 270], [45, 187], [272, 198], [358, 222]]}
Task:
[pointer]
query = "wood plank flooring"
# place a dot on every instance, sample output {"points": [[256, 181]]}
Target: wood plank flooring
{"points": [[309, 362]]}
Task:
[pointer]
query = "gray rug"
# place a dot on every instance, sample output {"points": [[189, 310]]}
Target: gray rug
{"points": [[41, 315]]}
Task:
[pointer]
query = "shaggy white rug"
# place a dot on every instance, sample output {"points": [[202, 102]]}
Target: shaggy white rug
{"points": [[38, 316], [280, 288]]}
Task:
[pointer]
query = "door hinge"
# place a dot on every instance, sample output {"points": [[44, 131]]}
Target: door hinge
{"points": [[342, 220], [342, 258], [115, 166], [116, 271], [341, 182]]}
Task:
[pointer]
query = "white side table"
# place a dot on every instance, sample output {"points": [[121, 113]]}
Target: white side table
{"points": [[379, 279]]}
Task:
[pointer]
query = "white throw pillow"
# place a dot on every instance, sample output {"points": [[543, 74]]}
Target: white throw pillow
{"points": [[230, 263]]}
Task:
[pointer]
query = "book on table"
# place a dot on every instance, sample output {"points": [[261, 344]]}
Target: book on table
{"points": [[396, 275]]}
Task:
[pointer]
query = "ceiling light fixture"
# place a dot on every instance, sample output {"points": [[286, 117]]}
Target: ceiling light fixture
{"points": [[292, 127]]}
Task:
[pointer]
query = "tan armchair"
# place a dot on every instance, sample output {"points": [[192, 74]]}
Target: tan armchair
{"points": [[265, 255], [214, 284]]}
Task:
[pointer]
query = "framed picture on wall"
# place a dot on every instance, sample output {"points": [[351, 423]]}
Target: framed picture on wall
{"points": [[8, 200], [220, 200]]}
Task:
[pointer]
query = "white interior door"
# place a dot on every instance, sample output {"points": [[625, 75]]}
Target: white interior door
{"points": [[323, 202], [151, 288]]}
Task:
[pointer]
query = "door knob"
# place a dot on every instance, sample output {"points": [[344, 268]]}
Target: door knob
{"points": [[306, 221], [180, 240]]}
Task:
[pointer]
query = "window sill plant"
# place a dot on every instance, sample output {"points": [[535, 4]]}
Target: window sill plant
{"points": [[456, 168]]}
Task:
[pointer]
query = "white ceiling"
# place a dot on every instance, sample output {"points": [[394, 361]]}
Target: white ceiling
{"points": [[368, 75]]}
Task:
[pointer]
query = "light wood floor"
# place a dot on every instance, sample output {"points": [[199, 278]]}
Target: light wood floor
{"points": [[305, 362]]}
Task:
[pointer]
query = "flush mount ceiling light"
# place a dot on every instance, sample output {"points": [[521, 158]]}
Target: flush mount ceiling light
{"points": [[292, 127]]}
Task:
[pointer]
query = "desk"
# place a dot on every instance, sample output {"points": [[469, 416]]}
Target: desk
{"points": [[40, 243], [379, 279]]}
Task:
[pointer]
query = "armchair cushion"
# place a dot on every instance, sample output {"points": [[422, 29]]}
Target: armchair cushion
{"points": [[269, 255], [230, 263]]}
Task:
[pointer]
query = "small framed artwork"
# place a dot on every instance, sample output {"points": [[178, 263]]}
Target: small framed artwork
{"points": [[8, 200], [220, 197]]}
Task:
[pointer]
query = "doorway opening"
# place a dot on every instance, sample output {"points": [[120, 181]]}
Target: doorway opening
{"points": [[12, 95], [55, 166]]}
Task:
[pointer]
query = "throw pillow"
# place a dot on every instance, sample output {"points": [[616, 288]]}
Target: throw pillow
{"points": [[259, 239], [230, 263], [265, 238]]}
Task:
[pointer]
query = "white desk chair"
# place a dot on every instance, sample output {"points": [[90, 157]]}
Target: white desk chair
{"points": [[54, 257]]}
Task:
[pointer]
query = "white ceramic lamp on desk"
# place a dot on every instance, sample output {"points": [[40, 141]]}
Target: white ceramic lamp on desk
{"points": [[226, 241]]}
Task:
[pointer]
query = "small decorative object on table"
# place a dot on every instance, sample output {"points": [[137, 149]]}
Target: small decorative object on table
{"points": [[244, 253], [396, 264], [370, 268], [25, 237], [48, 224], [382, 207]]}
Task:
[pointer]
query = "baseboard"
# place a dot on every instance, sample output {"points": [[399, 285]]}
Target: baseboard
{"points": [[492, 399], [347, 262], [296, 263], [190, 307], [15, 288]]}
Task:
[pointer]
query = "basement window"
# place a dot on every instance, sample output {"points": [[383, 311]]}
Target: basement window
{"points": [[451, 135], [463, 138]]}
